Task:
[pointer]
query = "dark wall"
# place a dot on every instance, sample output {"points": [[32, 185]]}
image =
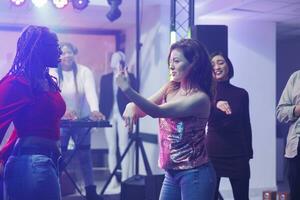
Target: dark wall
{"points": [[214, 37]]}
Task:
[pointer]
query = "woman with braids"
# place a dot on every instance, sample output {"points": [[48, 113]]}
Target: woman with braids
{"points": [[31, 100], [78, 89], [183, 106]]}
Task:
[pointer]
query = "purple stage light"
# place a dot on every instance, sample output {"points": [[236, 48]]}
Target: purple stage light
{"points": [[80, 4]]}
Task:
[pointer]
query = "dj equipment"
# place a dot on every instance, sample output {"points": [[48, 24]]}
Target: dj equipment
{"points": [[80, 123], [142, 187], [84, 123]]}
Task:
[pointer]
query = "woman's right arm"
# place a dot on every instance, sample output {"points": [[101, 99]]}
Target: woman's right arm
{"points": [[133, 112]]}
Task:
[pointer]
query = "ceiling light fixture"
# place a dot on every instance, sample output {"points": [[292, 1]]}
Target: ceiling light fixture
{"points": [[114, 12], [80, 4]]}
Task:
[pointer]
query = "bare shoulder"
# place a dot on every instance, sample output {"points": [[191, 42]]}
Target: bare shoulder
{"points": [[200, 103]]}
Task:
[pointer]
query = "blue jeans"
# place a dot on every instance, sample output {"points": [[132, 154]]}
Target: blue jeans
{"points": [[192, 184], [33, 177]]}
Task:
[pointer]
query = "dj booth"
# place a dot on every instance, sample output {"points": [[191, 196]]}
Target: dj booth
{"points": [[84, 123], [68, 184]]}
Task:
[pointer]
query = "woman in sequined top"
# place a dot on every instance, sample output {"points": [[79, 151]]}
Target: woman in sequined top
{"points": [[183, 108]]}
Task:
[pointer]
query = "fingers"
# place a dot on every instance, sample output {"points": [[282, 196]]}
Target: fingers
{"points": [[224, 106], [129, 123], [97, 116]]}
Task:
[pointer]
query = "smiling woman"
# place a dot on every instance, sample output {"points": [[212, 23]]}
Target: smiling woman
{"points": [[229, 136], [183, 106]]}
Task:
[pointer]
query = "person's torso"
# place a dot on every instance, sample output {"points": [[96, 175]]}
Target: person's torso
{"points": [[226, 134], [41, 116]]}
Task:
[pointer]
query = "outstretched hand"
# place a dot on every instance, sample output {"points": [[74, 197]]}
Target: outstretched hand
{"points": [[122, 80]]}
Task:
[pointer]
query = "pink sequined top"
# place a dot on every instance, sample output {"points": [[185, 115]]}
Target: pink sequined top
{"points": [[182, 143]]}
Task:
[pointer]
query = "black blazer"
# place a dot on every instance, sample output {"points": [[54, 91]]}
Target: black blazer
{"points": [[107, 96]]}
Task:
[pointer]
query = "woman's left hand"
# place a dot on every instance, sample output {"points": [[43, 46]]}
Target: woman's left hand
{"points": [[122, 80], [96, 116]]}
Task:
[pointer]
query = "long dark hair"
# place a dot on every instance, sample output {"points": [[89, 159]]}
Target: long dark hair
{"points": [[201, 72], [74, 65], [29, 59]]}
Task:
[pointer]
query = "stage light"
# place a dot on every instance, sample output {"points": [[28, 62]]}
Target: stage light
{"points": [[114, 12], [60, 3], [80, 4], [39, 3], [17, 2]]}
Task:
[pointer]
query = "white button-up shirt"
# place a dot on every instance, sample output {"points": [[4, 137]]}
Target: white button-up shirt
{"points": [[290, 97]]}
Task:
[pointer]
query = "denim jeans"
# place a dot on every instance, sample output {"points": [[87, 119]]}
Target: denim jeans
{"points": [[33, 177], [191, 184]]}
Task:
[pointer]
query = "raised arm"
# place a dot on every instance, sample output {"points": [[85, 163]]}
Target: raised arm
{"points": [[197, 104], [156, 98], [194, 105]]}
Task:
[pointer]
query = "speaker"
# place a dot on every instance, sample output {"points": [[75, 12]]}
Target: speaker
{"points": [[66, 184], [133, 188], [153, 186], [142, 187], [214, 37]]}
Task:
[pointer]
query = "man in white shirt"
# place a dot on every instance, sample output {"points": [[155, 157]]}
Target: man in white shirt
{"points": [[288, 111]]}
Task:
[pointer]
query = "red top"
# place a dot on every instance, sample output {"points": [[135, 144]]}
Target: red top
{"points": [[36, 114]]}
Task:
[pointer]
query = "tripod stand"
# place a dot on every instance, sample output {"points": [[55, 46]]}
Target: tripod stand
{"points": [[64, 162], [138, 144], [82, 123], [134, 137]]}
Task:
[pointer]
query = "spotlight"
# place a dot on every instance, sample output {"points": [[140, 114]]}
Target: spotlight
{"points": [[114, 12], [17, 2], [60, 3], [80, 4], [39, 3]]}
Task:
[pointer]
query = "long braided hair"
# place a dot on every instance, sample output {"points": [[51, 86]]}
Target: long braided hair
{"points": [[30, 57]]}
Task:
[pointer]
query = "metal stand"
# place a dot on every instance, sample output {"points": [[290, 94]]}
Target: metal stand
{"points": [[138, 144], [63, 164], [134, 137], [220, 196]]}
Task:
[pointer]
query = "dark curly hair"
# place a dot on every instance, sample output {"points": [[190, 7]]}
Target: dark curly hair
{"points": [[197, 56]]}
